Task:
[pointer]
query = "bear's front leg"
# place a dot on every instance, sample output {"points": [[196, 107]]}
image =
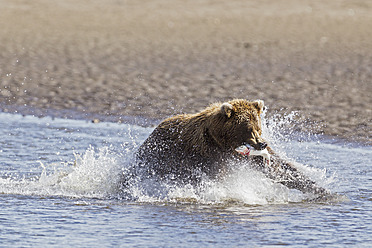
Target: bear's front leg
{"points": [[287, 174]]}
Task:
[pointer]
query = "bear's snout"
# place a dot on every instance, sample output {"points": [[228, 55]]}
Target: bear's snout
{"points": [[262, 145]]}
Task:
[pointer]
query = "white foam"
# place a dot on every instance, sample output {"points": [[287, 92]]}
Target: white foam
{"points": [[96, 173], [243, 185]]}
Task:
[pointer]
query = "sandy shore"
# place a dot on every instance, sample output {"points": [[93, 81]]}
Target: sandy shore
{"points": [[153, 59]]}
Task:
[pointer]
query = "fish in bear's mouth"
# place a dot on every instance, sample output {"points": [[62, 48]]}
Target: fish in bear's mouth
{"points": [[248, 150]]}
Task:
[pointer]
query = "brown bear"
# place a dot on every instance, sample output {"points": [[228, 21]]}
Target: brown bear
{"points": [[187, 147]]}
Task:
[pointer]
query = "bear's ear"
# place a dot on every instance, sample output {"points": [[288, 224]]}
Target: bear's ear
{"points": [[227, 109], [259, 105]]}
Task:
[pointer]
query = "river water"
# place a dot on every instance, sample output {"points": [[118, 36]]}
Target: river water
{"points": [[60, 186]]}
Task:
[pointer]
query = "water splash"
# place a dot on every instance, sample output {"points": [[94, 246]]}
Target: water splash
{"points": [[99, 173], [94, 174]]}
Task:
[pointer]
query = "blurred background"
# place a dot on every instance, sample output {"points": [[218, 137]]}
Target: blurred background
{"points": [[153, 59]]}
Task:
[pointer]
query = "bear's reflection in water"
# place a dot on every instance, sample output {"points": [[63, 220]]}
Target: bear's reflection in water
{"points": [[189, 147]]}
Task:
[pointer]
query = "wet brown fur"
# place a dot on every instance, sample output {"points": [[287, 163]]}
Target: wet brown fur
{"points": [[226, 127], [188, 144]]}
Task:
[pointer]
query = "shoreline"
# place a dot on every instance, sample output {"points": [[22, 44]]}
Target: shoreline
{"points": [[78, 115], [300, 131]]}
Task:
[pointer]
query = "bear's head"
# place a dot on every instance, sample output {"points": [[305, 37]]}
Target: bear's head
{"points": [[237, 122]]}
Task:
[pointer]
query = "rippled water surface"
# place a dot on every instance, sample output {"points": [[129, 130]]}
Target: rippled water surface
{"points": [[60, 186]]}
